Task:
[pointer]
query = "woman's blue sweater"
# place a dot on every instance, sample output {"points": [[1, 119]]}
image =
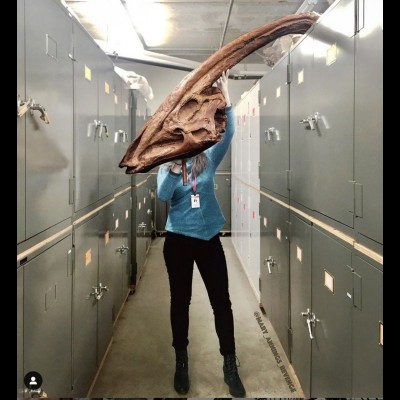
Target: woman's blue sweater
{"points": [[207, 220]]}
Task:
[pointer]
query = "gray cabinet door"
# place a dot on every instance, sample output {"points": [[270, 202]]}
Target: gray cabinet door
{"points": [[123, 131], [140, 228], [148, 214], [274, 129], [225, 164], [161, 209], [275, 268], [125, 212], [108, 277], [49, 157], [20, 332], [122, 210], [47, 318], [334, 101], [106, 130], [322, 91], [265, 250], [367, 330], [223, 192], [332, 306], [300, 300], [85, 306], [139, 111], [301, 139], [280, 274], [21, 121], [369, 122], [86, 70], [133, 241]]}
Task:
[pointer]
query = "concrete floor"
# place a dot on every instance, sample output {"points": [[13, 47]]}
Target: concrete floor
{"points": [[141, 361]]}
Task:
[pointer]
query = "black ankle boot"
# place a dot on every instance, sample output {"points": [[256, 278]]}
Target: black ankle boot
{"points": [[181, 378], [231, 376]]}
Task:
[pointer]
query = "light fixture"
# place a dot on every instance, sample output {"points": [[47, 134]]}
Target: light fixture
{"points": [[150, 20], [109, 25]]}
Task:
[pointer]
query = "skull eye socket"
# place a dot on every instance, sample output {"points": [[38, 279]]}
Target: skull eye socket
{"points": [[188, 110]]}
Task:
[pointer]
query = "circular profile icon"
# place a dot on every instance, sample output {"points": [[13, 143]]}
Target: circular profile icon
{"points": [[33, 380]]}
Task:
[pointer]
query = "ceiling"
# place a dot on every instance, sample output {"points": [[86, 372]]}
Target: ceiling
{"points": [[193, 29]]}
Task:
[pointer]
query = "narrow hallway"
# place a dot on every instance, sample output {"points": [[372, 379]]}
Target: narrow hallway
{"points": [[141, 360]]}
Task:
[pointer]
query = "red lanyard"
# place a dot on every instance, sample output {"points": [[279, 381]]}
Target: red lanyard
{"points": [[193, 184]]}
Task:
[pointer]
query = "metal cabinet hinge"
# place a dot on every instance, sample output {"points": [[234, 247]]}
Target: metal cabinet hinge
{"points": [[288, 73], [71, 199], [289, 179]]}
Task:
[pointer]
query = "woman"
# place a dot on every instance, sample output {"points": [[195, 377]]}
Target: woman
{"points": [[193, 225]]}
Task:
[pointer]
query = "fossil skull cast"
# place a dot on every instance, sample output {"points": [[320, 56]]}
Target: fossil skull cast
{"points": [[192, 117]]}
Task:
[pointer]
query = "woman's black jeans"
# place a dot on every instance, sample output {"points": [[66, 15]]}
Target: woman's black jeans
{"points": [[180, 253]]}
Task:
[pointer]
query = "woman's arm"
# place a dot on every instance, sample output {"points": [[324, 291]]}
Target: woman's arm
{"points": [[167, 179], [217, 152]]}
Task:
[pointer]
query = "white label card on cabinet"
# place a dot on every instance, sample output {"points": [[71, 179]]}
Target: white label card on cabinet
{"points": [[139, 205], [88, 257], [299, 253], [265, 101], [300, 77], [88, 73], [126, 214], [107, 237], [278, 233], [116, 223], [265, 221], [329, 281], [278, 92], [331, 54]]}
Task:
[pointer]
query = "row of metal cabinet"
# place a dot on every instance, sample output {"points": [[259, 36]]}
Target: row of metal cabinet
{"points": [[321, 121], [75, 119], [307, 214], [70, 292], [325, 302], [69, 296], [245, 194], [144, 223], [79, 251]]}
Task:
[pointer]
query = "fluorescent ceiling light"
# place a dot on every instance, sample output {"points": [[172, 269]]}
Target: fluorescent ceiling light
{"points": [[110, 26], [150, 20], [122, 37]]}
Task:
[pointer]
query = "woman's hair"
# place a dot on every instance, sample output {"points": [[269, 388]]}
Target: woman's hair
{"points": [[199, 163]]}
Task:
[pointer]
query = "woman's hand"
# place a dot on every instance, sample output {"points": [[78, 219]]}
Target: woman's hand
{"points": [[222, 84]]}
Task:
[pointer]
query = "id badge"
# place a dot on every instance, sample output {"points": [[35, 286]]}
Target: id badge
{"points": [[195, 198]]}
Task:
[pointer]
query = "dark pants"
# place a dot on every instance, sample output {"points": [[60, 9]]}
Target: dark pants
{"points": [[180, 253]]}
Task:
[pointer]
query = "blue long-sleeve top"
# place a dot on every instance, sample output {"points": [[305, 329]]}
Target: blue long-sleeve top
{"points": [[207, 220]]}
